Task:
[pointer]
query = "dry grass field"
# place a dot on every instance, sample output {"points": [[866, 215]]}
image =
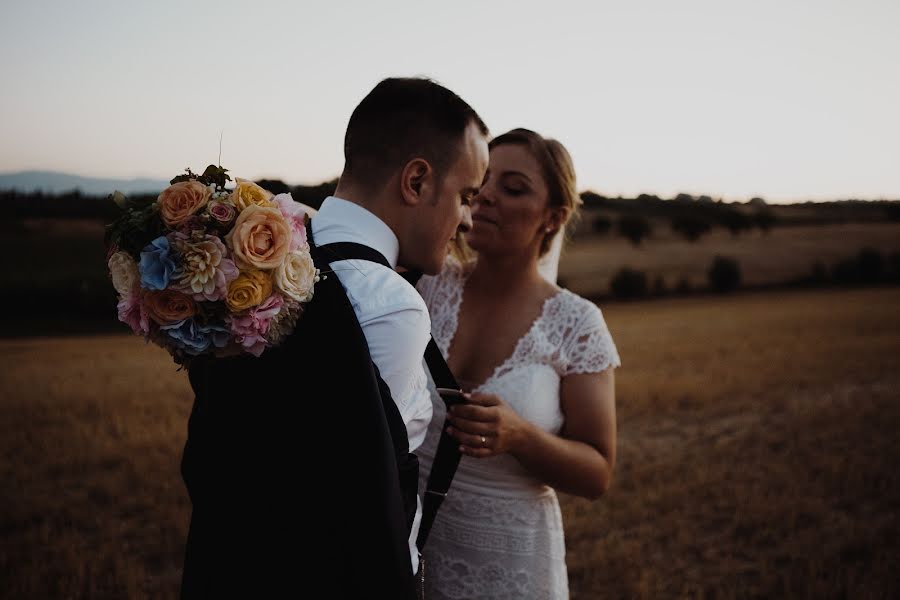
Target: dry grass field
{"points": [[783, 254], [758, 457]]}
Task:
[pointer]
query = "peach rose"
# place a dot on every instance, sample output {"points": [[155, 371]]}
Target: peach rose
{"points": [[260, 238], [181, 200], [248, 290], [246, 193], [168, 306]]}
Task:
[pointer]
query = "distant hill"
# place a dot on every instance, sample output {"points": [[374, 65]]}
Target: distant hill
{"points": [[53, 182]]}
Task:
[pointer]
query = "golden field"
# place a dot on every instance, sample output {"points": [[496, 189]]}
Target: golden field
{"points": [[783, 254], [758, 457]]}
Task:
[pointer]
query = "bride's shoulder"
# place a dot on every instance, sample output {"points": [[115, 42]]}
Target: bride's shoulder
{"points": [[580, 309], [587, 343]]}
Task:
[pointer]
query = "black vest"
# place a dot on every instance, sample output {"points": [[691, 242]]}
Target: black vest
{"points": [[299, 453]]}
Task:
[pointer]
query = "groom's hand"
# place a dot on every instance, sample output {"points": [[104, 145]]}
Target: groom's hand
{"points": [[486, 426]]}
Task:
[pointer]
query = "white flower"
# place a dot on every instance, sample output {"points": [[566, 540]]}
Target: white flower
{"points": [[124, 272], [296, 276]]}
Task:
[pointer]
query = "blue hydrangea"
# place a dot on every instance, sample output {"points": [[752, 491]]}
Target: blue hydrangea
{"points": [[157, 264], [195, 338]]}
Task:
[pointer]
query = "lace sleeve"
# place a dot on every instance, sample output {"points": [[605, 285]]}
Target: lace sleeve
{"points": [[590, 347]]}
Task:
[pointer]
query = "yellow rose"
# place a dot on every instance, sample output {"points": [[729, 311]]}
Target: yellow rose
{"points": [[167, 306], [248, 290], [181, 200], [260, 238], [296, 276], [247, 193]]}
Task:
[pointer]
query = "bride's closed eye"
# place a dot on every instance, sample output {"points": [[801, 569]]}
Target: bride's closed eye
{"points": [[514, 186]]}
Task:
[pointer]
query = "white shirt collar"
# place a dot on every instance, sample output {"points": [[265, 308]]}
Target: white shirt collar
{"points": [[340, 220]]}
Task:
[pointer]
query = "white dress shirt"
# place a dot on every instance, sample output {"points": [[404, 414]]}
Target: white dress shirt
{"points": [[391, 313]]}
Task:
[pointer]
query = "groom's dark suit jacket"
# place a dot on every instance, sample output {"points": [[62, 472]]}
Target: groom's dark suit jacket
{"points": [[297, 467]]}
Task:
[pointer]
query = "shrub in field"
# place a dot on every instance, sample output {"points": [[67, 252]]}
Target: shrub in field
{"points": [[866, 267], [629, 283], [659, 286], [692, 227], [894, 266], [724, 274], [892, 211], [818, 274], [635, 228], [765, 219], [735, 221], [601, 225], [871, 264]]}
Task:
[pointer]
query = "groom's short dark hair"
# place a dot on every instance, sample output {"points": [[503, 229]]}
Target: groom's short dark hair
{"points": [[402, 119]]}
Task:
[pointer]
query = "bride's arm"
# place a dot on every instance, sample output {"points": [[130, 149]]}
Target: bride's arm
{"points": [[579, 461]]}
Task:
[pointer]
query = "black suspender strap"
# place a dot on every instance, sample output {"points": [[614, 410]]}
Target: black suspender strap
{"points": [[350, 251], [446, 459]]}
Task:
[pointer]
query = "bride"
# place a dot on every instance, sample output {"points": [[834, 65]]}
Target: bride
{"points": [[538, 363]]}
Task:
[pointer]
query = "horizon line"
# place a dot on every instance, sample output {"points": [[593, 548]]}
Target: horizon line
{"points": [[715, 197]]}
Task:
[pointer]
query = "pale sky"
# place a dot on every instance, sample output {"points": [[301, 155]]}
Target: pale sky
{"points": [[785, 99]]}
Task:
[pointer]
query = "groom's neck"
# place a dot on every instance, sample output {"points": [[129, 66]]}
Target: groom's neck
{"points": [[373, 201]]}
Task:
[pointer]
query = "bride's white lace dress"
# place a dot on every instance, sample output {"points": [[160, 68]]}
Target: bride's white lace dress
{"points": [[499, 532]]}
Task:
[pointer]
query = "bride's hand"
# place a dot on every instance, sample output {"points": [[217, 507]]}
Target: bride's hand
{"points": [[486, 426]]}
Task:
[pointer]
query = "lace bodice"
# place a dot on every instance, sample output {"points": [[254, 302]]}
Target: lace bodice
{"points": [[499, 532], [569, 326]]}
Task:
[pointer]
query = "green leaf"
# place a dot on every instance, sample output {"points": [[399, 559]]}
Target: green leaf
{"points": [[120, 199], [217, 175]]}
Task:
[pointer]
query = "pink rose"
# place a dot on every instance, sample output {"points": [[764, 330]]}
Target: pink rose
{"points": [[221, 213], [295, 214], [133, 313], [250, 329]]}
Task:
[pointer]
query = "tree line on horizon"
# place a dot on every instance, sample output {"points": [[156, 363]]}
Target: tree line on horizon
{"points": [[75, 294], [635, 219]]}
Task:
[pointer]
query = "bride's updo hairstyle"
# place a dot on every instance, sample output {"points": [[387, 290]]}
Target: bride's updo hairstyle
{"points": [[558, 171]]}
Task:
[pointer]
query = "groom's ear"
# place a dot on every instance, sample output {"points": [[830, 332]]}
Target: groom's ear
{"points": [[415, 181]]}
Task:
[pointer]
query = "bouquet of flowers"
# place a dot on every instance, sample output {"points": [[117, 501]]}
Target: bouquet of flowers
{"points": [[205, 270]]}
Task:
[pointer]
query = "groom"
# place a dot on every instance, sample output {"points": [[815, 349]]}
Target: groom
{"points": [[299, 464]]}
